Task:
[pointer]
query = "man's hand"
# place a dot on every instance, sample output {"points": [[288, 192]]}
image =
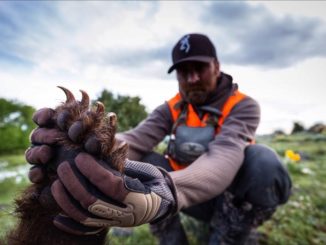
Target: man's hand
{"points": [[95, 195], [42, 139]]}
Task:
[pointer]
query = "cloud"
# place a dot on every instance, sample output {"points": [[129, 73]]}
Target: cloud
{"points": [[252, 35], [25, 20], [69, 37], [53, 37]]}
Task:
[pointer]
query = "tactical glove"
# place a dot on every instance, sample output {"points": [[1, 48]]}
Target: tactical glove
{"points": [[95, 195]]}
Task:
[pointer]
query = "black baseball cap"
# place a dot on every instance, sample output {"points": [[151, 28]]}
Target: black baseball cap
{"points": [[193, 47]]}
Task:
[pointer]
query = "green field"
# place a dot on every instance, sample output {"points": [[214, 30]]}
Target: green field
{"points": [[301, 221]]}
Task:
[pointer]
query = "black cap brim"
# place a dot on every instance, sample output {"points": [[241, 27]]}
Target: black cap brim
{"points": [[205, 59]]}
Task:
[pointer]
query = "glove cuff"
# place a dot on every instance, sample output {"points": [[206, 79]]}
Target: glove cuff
{"points": [[174, 207]]}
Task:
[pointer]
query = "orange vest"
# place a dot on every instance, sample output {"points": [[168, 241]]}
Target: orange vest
{"points": [[193, 119]]}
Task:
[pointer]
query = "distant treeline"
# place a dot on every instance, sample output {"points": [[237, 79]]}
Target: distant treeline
{"points": [[317, 128], [16, 119]]}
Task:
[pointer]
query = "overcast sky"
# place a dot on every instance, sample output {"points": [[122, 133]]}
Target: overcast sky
{"points": [[275, 51]]}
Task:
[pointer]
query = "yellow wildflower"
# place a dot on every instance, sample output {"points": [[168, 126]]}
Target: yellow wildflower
{"points": [[295, 157]]}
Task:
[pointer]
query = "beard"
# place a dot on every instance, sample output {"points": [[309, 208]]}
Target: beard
{"points": [[196, 95]]}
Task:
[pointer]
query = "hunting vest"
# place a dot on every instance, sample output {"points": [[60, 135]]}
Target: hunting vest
{"points": [[191, 133]]}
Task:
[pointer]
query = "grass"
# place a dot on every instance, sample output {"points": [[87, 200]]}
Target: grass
{"points": [[12, 161], [301, 221], [140, 235]]}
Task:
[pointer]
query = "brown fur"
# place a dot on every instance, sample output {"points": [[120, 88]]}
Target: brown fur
{"points": [[35, 208]]}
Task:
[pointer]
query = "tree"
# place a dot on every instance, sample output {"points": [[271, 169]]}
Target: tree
{"points": [[128, 109], [15, 125], [297, 128], [317, 128]]}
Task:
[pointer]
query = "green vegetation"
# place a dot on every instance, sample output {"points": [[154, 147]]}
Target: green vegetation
{"points": [[15, 125], [12, 161], [130, 110], [301, 221], [12, 179], [139, 235]]}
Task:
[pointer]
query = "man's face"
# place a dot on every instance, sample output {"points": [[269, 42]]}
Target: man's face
{"points": [[197, 80]]}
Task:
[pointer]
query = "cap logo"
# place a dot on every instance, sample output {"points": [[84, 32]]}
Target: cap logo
{"points": [[184, 44]]}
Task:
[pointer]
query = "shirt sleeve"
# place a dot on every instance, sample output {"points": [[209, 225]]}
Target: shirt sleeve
{"points": [[214, 171], [148, 133]]}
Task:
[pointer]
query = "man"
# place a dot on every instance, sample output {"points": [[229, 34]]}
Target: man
{"points": [[212, 170]]}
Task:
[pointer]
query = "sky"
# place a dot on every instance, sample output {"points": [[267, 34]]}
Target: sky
{"points": [[274, 50]]}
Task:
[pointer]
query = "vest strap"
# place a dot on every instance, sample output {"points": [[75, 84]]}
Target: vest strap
{"points": [[234, 99]]}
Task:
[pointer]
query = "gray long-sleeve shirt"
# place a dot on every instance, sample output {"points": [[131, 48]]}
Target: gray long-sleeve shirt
{"points": [[213, 171]]}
